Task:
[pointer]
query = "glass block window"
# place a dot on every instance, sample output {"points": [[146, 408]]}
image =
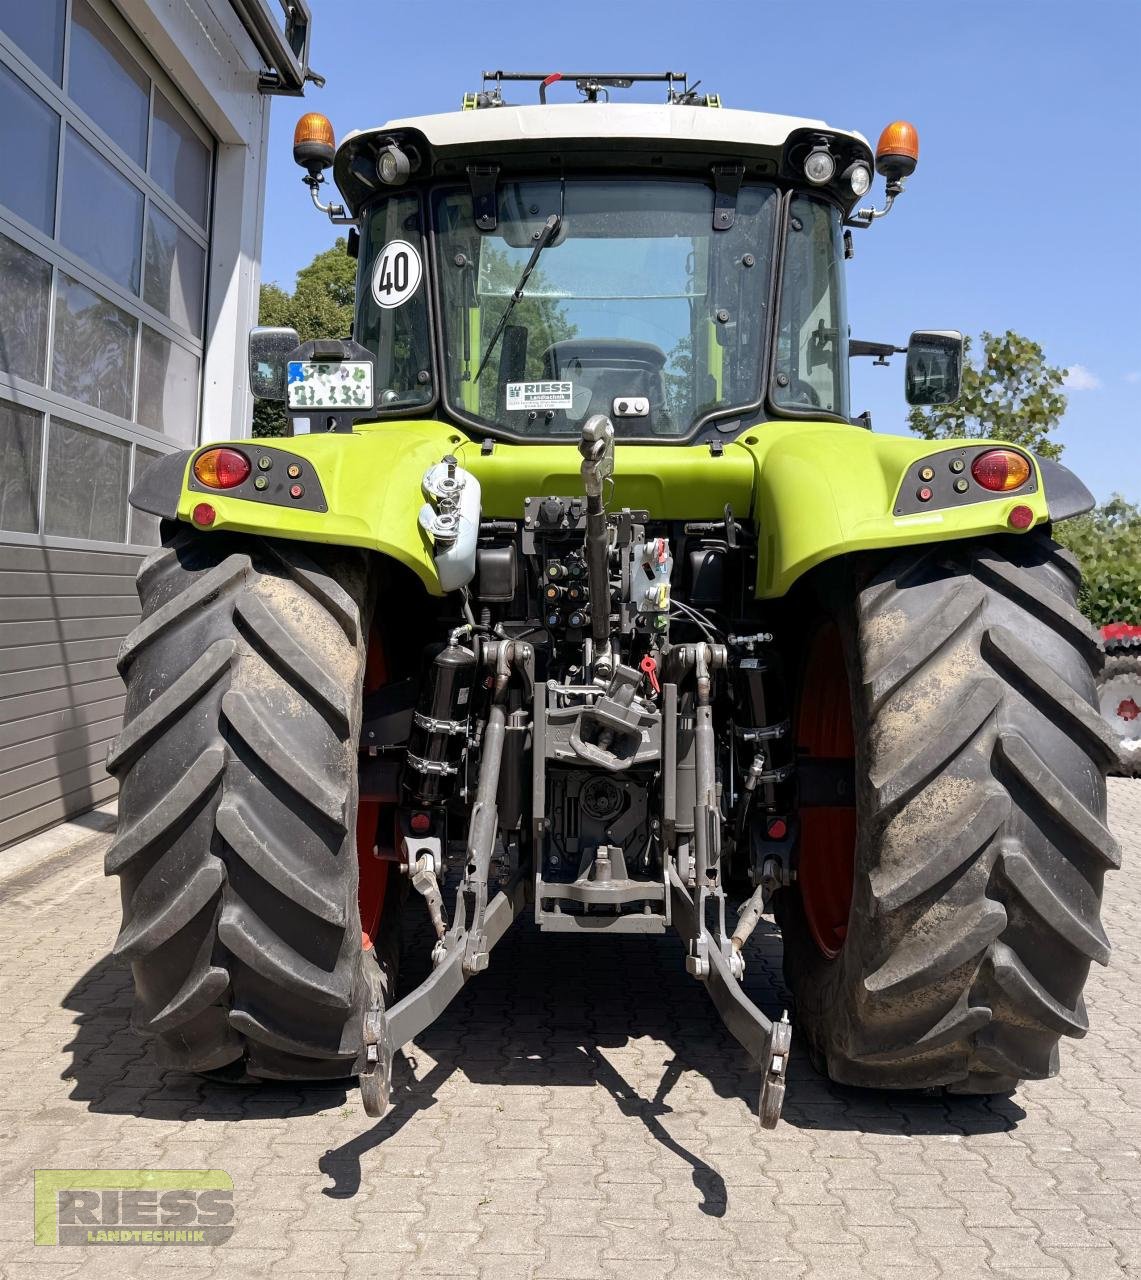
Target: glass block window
{"points": [[29, 130], [87, 476], [108, 83], [94, 358], [25, 299], [144, 527], [104, 245], [36, 28], [180, 160], [102, 213], [21, 446]]}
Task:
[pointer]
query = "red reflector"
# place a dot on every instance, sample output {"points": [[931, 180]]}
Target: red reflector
{"points": [[203, 514], [421, 823], [777, 829], [1020, 518], [1000, 470], [221, 468]]}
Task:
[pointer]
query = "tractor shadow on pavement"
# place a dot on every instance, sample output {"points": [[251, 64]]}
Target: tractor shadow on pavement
{"points": [[554, 1011], [562, 1012], [112, 1068]]}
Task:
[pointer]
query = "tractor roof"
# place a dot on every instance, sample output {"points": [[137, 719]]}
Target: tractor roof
{"points": [[604, 122], [606, 134]]}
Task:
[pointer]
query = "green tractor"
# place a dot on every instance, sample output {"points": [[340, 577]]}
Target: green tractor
{"points": [[577, 590]]}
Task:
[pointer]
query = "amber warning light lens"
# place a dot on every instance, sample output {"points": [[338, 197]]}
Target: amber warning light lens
{"points": [[897, 151], [314, 143], [1000, 470], [221, 468]]}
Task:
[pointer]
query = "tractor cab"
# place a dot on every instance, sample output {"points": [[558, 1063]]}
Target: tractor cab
{"points": [[676, 266]]}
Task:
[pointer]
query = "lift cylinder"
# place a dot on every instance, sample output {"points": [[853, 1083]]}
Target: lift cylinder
{"points": [[440, 728]]}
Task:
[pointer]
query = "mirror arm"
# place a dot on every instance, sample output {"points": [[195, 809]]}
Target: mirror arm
{"points": [[334, 212], [882, 351]]}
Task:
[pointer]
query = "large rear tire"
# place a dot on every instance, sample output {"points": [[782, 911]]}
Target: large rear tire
{"points": [[238, 772], [977, 847]]}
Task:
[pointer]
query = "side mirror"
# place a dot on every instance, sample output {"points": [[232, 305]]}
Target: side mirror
{"points": [[270, 350], [934, 367]]}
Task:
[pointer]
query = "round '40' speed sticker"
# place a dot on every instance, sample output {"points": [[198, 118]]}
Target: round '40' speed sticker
{"points": [[396, 275]]}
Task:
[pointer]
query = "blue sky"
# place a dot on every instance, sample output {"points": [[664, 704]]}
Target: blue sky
{"points": [[1022, 213]]}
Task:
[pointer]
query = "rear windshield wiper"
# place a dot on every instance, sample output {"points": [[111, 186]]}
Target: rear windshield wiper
{"points": [[549, 230]]}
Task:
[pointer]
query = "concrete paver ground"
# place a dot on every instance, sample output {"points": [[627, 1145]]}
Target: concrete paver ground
{"points": [[578, 1112]]}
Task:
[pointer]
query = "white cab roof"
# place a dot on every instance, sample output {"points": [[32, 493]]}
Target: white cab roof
{"points": [[609, 120]]}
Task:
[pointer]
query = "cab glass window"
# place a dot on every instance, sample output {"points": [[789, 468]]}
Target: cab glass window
{"points": [[811, 366], [392, 320], [636, 305]]}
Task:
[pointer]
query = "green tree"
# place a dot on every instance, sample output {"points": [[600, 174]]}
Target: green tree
{"points": [[320, 306], [1012, 394], [1107, 541]]}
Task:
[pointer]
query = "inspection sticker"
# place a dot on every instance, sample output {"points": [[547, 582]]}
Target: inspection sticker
{"points": [[540, 395]]}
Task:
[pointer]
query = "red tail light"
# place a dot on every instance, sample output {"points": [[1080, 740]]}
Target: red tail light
{"points": [[221, 468], [1000, 470]]}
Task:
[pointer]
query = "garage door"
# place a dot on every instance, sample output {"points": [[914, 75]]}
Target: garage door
{"points": [[105, 196]]}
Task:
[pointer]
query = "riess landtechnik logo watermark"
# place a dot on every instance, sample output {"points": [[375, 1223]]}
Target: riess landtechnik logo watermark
{"points": [[134, 1206]]}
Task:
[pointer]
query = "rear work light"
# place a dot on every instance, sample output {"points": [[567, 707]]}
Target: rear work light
{"points": [[221, 468], [1000, 470]]}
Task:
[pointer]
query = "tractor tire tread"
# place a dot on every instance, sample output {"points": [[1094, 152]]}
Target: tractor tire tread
{"points": [[237, 767], [982, 842]]}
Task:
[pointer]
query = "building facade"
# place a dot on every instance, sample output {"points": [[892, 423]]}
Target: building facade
{"points": [[134, 137]]}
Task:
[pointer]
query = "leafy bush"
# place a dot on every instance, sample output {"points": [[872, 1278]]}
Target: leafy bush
{"points": [[1107, 541], [1010, 393]]}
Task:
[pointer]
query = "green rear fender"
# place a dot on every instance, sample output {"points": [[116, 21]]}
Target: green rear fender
{"points": [[824, 489], [371, 485], [813, 490]]}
